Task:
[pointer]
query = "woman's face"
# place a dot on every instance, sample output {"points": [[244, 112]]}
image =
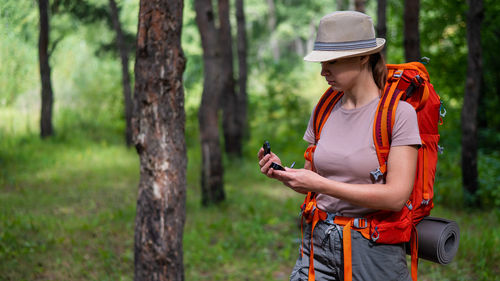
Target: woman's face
{"points": [[341, 74]]}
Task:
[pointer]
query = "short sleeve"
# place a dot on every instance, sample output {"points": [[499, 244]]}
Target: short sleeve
{"points": [[405, 130], [309, 134]]}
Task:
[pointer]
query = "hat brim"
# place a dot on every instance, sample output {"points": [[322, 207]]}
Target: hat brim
{"points": [[320, 56]]}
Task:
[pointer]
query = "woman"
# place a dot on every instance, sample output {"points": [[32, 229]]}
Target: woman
{"points": [[345, 155]]}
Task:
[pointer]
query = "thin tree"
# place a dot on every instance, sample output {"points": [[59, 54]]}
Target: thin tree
{"points": [[242, 99], [212, 185], [341, 5], [359, 5], [158, 133], [127, 91], [473, 81], [271, 25], [411, 32], [382, 22], [232, 135], [46, 128]]}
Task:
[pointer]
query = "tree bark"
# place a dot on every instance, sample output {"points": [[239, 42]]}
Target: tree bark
{"points": [[411, 31], [242, 98], [471, 100], [271, 24], [232, 138], [46, 128], [343, 5], [127, 91], [382, 22], [212, 185], [158, 134], [359, 5]]}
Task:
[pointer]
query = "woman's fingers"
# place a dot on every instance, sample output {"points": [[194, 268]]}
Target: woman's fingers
{"points": [[260, 154], [264, 160]]}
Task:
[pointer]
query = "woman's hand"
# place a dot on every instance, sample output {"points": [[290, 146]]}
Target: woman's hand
{"points": [[300, 180], [265, 161]]}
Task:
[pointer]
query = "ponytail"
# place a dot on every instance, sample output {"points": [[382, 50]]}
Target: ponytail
{"points": [[379, 69]]}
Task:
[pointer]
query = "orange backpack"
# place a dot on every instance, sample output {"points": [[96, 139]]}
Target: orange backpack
{"points": [[409, 82]]}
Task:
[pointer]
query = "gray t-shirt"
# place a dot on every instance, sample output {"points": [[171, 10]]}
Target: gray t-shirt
{"points": [[346, 152]]}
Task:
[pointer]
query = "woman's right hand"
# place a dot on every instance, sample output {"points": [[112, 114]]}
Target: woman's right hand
{"points": [[265, 161]]}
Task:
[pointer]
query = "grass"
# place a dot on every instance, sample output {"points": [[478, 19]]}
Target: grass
{"points": [[67, 209]]}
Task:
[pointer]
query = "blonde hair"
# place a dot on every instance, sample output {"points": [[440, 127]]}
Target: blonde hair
{"points": [[379, 70]]}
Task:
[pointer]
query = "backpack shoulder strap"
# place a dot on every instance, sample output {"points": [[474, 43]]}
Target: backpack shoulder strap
{"points": [[384, 120], [323, 110], [321, 114]]}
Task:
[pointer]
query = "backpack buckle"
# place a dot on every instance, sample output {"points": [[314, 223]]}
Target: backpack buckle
{"points": [[409, 205], [442, 110], [330, 218], [440, 149], [425, 60], [398, 74], [375, 235], [360, 223], [375, 175], [425, 201]]}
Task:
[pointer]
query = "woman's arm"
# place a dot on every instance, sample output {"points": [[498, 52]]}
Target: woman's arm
{"points": [[392, 195]]}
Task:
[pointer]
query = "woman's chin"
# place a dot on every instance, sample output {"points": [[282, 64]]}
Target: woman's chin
{"points": [[336, 88]]}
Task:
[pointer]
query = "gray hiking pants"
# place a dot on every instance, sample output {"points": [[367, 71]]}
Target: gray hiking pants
{"points": [[370, 261]]}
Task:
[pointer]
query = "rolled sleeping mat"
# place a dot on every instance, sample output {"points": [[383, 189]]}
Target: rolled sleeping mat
{"points": [[438, 240]]}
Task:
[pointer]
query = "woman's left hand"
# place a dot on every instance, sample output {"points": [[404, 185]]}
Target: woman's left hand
{"points": [[300, 180]]}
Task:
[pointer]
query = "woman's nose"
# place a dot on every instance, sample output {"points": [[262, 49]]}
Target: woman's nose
{"points": [[324, 70]]}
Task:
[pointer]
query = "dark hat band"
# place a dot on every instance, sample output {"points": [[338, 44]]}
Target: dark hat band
{"points": [[343, 46]]}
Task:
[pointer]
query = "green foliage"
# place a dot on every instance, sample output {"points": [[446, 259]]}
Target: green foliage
{"points": [[277, 112], [20, 19], [489, 179], [67, 211], [394, 40], [443, 33], [17, 54], [67, 205], [448, 182], [489, 119], [262, 233]]}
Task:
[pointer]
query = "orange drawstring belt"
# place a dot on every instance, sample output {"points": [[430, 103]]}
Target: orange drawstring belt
{"points": [[313, 215]]}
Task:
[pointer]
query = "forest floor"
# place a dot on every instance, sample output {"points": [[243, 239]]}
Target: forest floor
{"points": [[67, 211]]}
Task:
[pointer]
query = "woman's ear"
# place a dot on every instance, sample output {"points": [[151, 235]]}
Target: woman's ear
{"points": [[364, 59]]}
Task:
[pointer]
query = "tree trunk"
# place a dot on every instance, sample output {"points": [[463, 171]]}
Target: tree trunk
{"points": [[212, 185], [158, 133], [312, 36], [411, 31], [271, 24], [471, 100], [46, 128], [242, 98], [359, 5], [343, 5], [127, 91], [232, 138], [382, 22]]}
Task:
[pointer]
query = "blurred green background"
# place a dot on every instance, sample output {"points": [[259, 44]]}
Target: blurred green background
{"points": [[67, 203]]}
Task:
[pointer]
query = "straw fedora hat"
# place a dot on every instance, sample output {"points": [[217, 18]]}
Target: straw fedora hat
{"points": [[344, 34]]}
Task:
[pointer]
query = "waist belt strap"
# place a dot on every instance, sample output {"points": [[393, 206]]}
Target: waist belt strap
{"points": [[313, 215], [358, 224], [414, 253]]}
